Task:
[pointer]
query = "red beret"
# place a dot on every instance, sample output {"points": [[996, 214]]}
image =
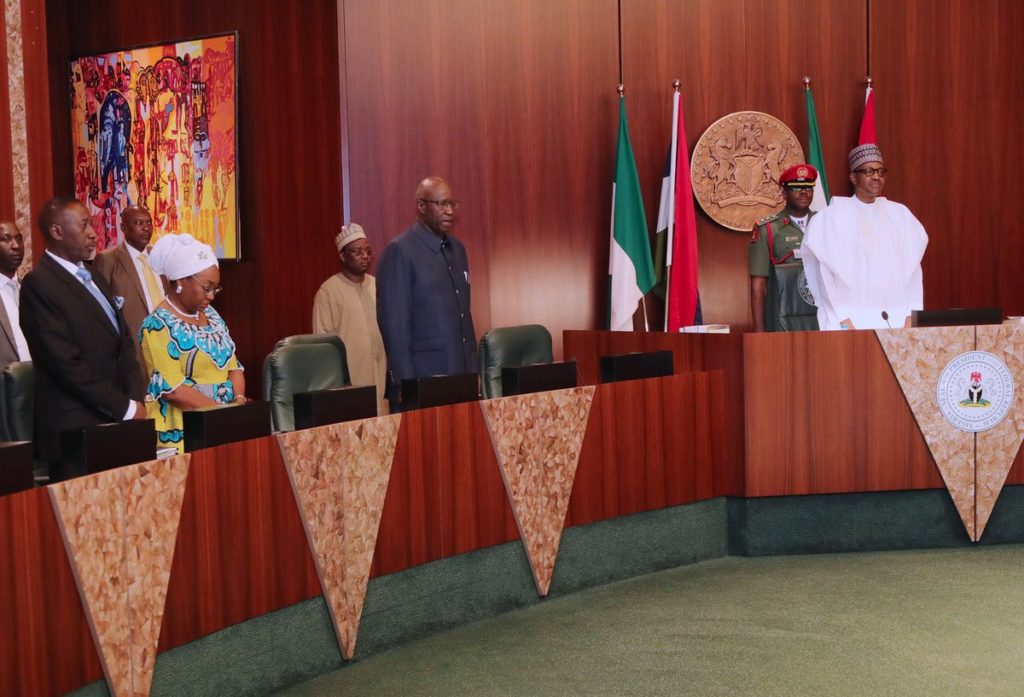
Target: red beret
{"points": [[799, 175]]}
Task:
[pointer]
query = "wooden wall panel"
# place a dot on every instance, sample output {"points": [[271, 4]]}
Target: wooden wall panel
{"points": [[515, 103], [289, 143], [949, 82], [739, 55], [515, 106]]}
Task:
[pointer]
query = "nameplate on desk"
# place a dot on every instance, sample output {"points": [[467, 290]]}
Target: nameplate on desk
{"points": [[636, 366], [106, 446], [439, 390], [15, 466], [333, 406], [210, 426], [956, 317], [540, 377]]}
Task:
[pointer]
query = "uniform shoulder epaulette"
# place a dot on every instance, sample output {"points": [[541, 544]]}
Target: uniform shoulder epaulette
{"points": [[769, 218]]}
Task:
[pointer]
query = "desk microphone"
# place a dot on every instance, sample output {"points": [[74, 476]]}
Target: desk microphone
{"points": [[885, 316]]}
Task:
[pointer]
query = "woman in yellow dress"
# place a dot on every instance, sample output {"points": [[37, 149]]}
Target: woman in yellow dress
{"points": [[189, 354]]}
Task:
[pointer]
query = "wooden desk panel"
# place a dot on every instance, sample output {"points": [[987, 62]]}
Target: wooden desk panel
{"points": [[651, 444], [692, 353], [825, 414], [241, 549], [45, 644], [475, 509]]}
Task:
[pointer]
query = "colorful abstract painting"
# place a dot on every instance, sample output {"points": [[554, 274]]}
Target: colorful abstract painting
{"points": [[156, 126]]}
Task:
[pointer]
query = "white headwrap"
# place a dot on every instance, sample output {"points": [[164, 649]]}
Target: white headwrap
{"points": [[179, 256]]}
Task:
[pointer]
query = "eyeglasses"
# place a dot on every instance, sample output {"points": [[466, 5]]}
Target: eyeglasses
{"points": [[872, 171], [442, 204], [211, 291], [364, 253]]}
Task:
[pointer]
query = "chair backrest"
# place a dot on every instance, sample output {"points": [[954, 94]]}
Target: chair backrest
{"points": [[511, 347], [301, 363], [19, 400]]}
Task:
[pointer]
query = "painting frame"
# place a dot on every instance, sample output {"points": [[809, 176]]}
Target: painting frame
{"points": [[158, 123]]}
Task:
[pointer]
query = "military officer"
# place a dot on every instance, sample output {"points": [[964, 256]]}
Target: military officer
{"points": [[774, 241]]}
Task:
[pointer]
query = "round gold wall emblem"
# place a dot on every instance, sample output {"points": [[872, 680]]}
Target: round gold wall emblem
{"points": [[736, 165]]}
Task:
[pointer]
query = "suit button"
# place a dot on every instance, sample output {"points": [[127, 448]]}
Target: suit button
{"points": [[463, 339]]}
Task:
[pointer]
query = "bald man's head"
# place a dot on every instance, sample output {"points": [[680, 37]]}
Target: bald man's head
{"points": [[137, 227], [435, 207]]}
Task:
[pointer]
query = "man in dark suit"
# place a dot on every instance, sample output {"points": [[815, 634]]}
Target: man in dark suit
{"points": [[126, 270], [13, 346], [423, 295], [84, 356]]}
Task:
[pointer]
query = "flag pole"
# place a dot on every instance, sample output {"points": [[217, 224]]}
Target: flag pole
{"points": [[672, 205], [807, 82]]}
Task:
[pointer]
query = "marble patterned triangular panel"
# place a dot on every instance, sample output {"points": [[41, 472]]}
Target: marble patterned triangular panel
{"points": [[537, 439], [918, 357], [119, 530], [153, 494], [339, 474], [90, 512], [997, 448]]}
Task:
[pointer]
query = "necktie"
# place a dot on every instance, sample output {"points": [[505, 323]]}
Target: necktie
{"points": [[149, 278], [86, 278]]}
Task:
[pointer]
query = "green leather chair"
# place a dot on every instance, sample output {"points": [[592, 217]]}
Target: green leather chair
{"points": [[18, 390], [301, 363], [511, 347], [19, 399]]}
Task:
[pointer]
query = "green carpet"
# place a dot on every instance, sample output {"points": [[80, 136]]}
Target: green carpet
{"points": [[925, 622]]}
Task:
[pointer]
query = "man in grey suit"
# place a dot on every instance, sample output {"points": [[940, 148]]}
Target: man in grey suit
{"points": [[423, 295], [13, 346], [126, 270]]}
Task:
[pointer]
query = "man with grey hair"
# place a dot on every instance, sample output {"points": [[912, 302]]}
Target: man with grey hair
{"points": [[862, 255]]}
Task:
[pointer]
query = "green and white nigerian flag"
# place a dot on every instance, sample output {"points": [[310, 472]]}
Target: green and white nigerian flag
{"points": [[630, 269], [814, 157]]}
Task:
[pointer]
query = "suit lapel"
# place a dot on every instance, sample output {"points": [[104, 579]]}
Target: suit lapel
{"points": [[5, 324], [77, 290], [125, 259]]}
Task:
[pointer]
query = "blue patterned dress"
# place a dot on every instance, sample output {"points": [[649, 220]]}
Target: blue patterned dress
{"points": [[179, 353]]}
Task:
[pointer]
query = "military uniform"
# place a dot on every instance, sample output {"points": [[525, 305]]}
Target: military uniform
{"points": [[773, 244], [788, 305], [782, 235]]}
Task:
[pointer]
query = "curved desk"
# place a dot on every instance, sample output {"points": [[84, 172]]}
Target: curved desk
{"points": [[671, 471]]}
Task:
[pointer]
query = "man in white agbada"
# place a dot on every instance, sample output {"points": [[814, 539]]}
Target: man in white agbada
{"points": [[862, 254]]}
